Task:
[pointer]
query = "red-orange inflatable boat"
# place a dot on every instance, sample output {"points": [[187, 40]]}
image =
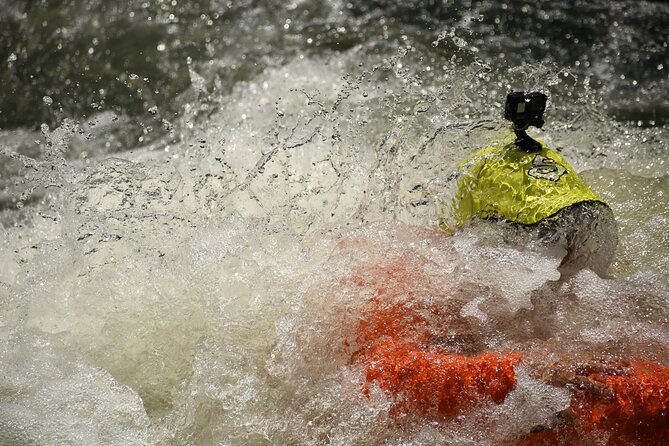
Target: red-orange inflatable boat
{"points": [[623, 402]]}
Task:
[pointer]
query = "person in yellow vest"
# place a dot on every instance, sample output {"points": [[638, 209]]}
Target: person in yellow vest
{"points": [[524, 182]]}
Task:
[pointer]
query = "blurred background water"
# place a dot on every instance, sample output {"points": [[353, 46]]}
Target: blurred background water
{"points": [[182, 183]]}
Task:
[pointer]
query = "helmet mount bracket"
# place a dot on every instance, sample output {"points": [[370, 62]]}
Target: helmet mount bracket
{"points": [[525, 110]]}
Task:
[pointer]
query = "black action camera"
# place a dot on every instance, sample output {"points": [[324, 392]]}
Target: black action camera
{"points": [[525, 110]]}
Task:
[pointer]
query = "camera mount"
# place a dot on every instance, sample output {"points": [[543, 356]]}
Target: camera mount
{"points": [[525, 110]]}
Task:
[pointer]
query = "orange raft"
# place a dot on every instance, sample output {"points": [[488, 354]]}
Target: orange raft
{"points": [[620, 403]]}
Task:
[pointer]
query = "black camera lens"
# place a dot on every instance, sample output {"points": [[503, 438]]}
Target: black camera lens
{"points": [[525, 109]]}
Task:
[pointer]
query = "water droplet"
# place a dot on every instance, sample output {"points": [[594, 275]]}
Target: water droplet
{"points": [[47, 100], [161, 47]]}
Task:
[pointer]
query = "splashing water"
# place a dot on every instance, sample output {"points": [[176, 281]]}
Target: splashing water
{"points": [[190, 245]]}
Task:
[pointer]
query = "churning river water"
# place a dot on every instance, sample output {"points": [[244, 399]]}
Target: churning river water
{"points": [[186, 188]]}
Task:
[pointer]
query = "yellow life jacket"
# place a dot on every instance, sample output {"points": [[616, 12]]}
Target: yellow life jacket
{"points": [[506, 182]]}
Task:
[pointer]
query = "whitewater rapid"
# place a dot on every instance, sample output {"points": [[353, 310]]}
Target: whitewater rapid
{"points": [[193, 288]]}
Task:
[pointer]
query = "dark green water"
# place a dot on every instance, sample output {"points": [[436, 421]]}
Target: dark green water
{"points": [[90, 56]]}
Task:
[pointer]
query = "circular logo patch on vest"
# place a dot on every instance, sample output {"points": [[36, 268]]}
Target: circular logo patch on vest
{"points": [[545, 168]]}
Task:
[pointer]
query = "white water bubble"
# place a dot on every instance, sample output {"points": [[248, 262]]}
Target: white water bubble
{"points": [[47, 100]]}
